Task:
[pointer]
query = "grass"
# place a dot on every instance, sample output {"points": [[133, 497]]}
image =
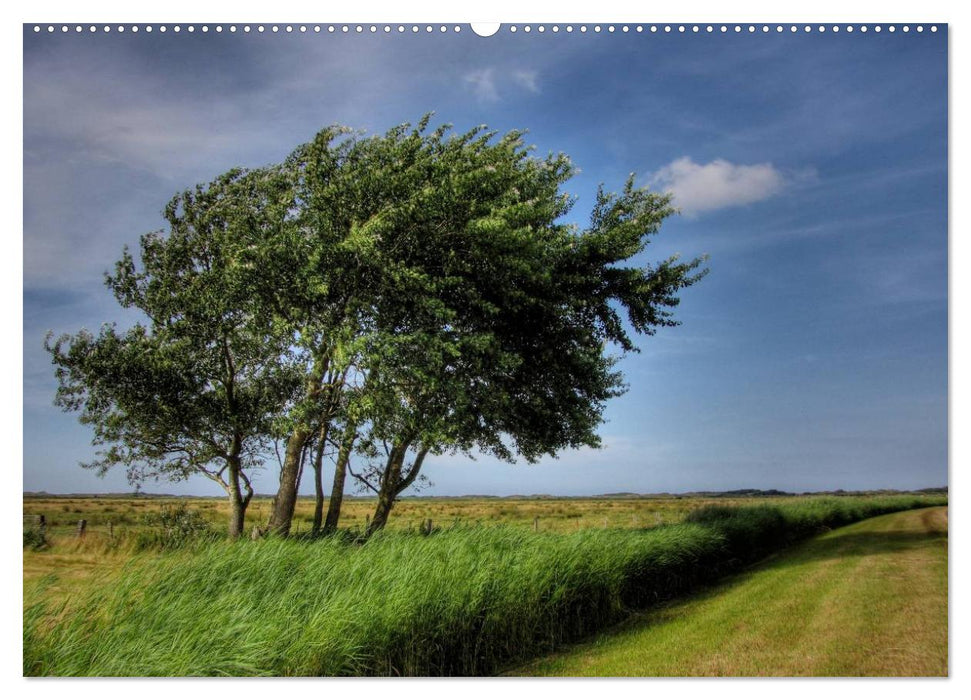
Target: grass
{"points": [[555, 514], [865, 600], [72, 559], [464, 601]]}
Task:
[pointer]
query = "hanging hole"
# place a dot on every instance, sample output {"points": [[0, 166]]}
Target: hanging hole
{"points": [[485, 28]]}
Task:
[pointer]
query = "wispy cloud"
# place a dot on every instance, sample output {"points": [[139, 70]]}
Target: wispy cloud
{"points": [[483, 84], [703, 187], [526, 79]]}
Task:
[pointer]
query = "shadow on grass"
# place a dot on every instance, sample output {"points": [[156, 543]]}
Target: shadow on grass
{"points": [[853, 544], [837, 545]]}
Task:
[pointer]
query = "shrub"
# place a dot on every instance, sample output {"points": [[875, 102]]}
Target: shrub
{"points": [[173, 528], [35, 537]]}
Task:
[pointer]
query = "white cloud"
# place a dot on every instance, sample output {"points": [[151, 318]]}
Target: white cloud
{"points": [[526, 79], [483, 84], [717, 184]]}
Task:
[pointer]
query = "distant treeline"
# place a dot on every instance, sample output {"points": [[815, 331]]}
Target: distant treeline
{"points": [[736, 493]]}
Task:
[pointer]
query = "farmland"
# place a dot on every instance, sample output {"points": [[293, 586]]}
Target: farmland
{"points": [[477, 595]]}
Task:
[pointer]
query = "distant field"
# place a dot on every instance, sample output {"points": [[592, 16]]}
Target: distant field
{"points": [[555, 514], [868, 599]]}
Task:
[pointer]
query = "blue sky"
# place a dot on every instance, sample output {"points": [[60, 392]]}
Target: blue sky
{"points": [[812, 168]]}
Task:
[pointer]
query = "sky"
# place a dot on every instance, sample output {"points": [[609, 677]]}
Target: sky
{"points": [[811, 168]]}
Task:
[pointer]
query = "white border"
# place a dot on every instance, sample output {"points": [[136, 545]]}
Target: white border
{"points": [[603, 12]]}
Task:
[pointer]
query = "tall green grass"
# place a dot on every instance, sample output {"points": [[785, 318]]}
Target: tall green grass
{"points": [[465, 601]]}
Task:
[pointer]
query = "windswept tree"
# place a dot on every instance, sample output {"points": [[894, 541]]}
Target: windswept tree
{"points": [[481, 321], [385, 298], [195, 387], [322, 301]]}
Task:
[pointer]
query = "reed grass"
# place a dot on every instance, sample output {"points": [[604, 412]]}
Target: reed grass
{"points": [[462, 601]]}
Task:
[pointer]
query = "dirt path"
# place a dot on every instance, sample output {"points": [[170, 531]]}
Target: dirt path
{"points": [[865, 600]]}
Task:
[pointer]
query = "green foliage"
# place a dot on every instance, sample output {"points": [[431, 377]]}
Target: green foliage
{"points": [[463, 601], [490, 318], [477, 320], [169, 398]]}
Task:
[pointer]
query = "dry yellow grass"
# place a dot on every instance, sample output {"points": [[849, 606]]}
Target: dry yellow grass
{"points": [[556, 514]]}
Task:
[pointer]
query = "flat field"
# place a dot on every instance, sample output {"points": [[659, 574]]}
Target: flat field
{"points": [[556, 514]]}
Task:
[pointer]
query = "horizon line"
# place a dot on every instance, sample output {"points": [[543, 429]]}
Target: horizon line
{"points": [[614, 494]]}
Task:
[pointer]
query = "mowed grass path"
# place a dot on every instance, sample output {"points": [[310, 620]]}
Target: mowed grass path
{"points": [[869, 599]]}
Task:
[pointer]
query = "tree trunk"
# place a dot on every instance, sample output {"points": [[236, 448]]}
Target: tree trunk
{"points": [[285, 501], [388, 489], [393, 483], [386, 499], [318, 483], [340, 473], [286, 496], [237, 501], [237, 514]]}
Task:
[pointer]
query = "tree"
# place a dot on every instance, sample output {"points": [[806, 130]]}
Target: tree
{"points": [[322, 301], [484, 320], [400, 295], [196, 387]]}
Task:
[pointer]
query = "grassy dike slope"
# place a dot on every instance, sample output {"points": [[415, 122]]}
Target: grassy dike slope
{"points": [[869, 599]]}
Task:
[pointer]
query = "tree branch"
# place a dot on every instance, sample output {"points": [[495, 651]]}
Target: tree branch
{"points": [[363, 479], [412, 474]]}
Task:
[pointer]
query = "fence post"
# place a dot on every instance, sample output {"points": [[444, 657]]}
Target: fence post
{"points": [[42, 526], [82, 528], [536, 523], [111, 530]]}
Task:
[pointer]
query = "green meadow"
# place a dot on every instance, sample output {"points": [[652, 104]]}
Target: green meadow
{"points": [[466, 599]]}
